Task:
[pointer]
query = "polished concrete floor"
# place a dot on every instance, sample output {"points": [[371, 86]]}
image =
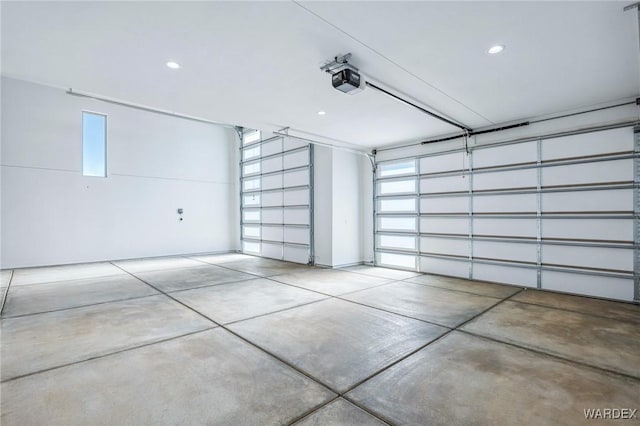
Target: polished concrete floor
{"points": [[238, 340]]}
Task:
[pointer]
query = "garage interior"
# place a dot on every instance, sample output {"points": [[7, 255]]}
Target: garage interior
{"points": [[320, 213]]}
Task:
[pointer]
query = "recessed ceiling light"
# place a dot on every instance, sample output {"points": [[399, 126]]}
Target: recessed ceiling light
{"points": [[321, 113], [496, 49], [173, 65]]}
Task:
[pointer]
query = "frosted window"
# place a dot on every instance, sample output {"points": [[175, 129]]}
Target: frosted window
{"points": [[252, 231], [398, 187], [252, 168], [250, 137], [398, 223], [396, 241], [251, 247], [252, 200], [401, 260], [251, 153], [397, 169], [251, 184], [400, 205], [94, 144], [252, 215]]}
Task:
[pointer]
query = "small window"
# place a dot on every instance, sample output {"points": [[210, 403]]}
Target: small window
{"points": [[397, 241], [251, 153], [251, 247], [252, 184], [251, 216], [250, 137], [397, 223], [251, 168], [252, 200], [397, 187], [401, 260], [397, 169], [94, 144], [397, 205]]}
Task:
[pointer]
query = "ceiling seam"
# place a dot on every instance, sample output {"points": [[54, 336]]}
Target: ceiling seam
{"points": [[392, 62]]}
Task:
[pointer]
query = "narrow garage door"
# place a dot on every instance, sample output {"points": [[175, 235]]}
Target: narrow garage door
{"points": [[554, 213], [276, 194]]}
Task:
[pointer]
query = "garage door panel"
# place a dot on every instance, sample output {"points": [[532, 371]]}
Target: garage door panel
{"points": [[588, 229], [296, 159], [589, 201], [298, 197], [271, 147], [435, 185], [296, 216], [272, 215], [454, 268], [514, 203], [272, 182], [444, 225], [527, 178], [522, 277], [588, 257], [296, 235], [270, 199], [443, 163], [508, 154], [447, 246], [444, 205], [272, 164], [594, 143], [272, 233], [521, 252], [296, 178], [505, 227], [599, 286], [295, 254], [273, 251], [600, 172]]}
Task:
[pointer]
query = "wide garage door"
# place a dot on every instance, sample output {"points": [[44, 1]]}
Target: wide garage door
{"points": [[555, 213], [276, 194]]}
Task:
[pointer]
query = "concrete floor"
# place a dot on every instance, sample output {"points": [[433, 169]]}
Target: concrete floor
{"points": [[239, 340]]}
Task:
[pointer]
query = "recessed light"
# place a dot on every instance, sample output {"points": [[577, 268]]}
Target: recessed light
{"points": [[496, 49], [173, 65], [321, 113]]}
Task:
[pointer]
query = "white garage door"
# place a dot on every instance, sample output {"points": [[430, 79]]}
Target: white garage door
{"points": [[276, 194], [555, 213]]}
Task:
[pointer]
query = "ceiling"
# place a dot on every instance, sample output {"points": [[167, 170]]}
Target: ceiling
{"points": [[256, 64]]}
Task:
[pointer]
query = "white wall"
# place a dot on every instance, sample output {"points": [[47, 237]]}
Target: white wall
{"points": [[323, 205], [347, 208], [342, 207], [51, 214]]}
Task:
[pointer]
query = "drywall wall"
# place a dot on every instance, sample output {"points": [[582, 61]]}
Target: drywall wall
{"points": [[342, 205], [322, 205], [347, 208], [51, 214]]}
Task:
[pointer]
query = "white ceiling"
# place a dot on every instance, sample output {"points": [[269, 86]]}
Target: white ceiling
{"points": [[256, 64]]}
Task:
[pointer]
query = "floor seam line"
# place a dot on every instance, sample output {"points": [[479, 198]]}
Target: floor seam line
{"points": [[96, 357], [81, 306], [555, 356], [578, 312], [5, 294], [394, 313], [458, 291], [309, 376]]}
